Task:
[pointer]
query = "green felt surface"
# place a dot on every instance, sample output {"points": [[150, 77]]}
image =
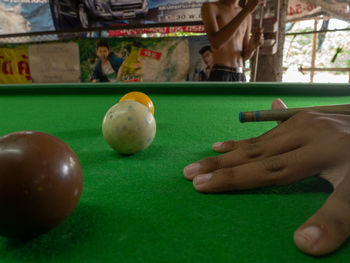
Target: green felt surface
{"points": [[140, 208]]}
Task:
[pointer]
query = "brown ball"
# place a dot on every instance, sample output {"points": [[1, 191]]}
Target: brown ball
{"points": [[41, 181]]}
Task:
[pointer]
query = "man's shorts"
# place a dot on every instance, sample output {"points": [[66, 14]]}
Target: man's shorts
{"points": [[225, 73]]}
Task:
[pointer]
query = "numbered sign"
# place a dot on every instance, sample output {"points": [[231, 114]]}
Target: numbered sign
{"points": [[298, 9]]}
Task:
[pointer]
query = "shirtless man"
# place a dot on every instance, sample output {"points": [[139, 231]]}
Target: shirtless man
{"points": [[228, 29]]}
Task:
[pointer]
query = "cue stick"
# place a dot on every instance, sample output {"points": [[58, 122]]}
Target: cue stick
{"points": [[257, 49], [284, 114]]}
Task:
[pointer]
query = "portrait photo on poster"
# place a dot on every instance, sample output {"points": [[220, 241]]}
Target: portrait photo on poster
{"points": [[134, 60], [201, 59]]}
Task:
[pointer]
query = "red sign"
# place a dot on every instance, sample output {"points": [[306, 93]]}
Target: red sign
{"points": [[150, 53], [299, 8], [161, 30]]}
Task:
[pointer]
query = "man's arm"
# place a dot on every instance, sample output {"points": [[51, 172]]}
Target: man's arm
{"points": [[247, 51], [250, 44], [94, 76]]}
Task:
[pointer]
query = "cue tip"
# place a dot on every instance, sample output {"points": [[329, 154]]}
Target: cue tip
{"points": [[244, 116], [241, 117]]}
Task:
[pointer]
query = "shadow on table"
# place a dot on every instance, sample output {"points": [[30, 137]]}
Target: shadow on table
{"points": [[310, 185], [58, 241], [79, 133]]}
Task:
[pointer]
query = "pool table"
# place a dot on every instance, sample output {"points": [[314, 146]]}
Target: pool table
{"points": [[139, 208]]}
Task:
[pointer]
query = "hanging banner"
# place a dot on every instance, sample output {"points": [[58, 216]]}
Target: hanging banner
{"points": [[134, 60], [166, 16], [14, 67], [166, 13], [96, 14], [152, 30], [54, 63], [24, 16]]}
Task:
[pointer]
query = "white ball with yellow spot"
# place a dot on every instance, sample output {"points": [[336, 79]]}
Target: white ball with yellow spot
{"points": [[129, 127]]}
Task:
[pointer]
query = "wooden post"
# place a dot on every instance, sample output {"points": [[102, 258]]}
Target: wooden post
{"points": [[313, 57]]}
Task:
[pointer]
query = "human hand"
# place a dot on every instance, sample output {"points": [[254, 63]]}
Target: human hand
{"points": [[307, 144], [253, 4], [258, 37], [94, 80]]}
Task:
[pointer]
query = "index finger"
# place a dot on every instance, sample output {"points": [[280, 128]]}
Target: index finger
{"points": [[275, 170], [246, 154]]}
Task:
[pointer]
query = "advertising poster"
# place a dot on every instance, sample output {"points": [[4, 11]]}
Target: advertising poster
{"points": [[200, 59], [24, 16], [54, 63], [164, 16], [134, 60], [164, 13], [14, 67], [91, 13]]}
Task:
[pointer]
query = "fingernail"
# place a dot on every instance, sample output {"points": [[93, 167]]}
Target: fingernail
{"points": [[192, 168], [217, 144], [308, 236], [202, 178], [281, 102]]}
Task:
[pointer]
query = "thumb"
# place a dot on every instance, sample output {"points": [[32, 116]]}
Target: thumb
{"points": [[326, 230], [278, 104]]}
